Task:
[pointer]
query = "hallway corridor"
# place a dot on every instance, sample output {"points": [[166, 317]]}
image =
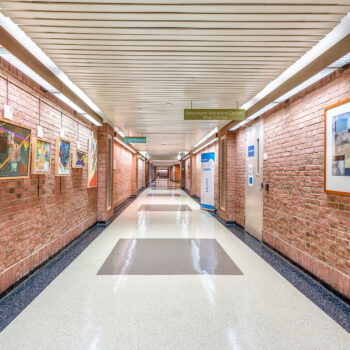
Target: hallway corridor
{"points": [[205, 289]]}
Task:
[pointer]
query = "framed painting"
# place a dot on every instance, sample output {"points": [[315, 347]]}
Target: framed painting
{"points": [[79, 159], [15, 143], [63, 154], [92, 162], [41, 154], [337, 148]]}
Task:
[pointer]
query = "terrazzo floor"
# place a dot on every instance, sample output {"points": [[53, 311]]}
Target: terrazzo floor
{"points": [[256, 308]]}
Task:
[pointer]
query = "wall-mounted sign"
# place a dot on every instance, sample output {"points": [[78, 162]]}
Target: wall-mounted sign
{"points": [[214, 114], [8, 112], [251, 151], [135, 139], [40, 131], [208, 181], [250, 174]]}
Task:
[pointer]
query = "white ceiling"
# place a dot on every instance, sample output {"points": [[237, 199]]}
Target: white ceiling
{"points": [[142, 62]]}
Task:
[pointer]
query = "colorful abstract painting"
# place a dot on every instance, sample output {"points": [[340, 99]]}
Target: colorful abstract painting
{"points": [[79, 159], [62, 157], [341, 145], [14, 150], [41, 157], [92, 164]]}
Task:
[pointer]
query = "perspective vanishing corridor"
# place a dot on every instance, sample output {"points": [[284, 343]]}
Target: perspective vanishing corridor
{"points": [[175, 174], [179, 275]]}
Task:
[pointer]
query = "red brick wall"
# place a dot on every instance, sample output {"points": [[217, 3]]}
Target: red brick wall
{"points": [[240, 178], [123, 175], [102, 136], [300, 220], [188, 174], [228, 213], [177, 173], [43, 213], [140, 174]]}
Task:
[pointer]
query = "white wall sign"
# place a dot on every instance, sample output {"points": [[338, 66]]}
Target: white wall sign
{"points": [[207, 181], [8, 112], [40, 131], [250, 174]]}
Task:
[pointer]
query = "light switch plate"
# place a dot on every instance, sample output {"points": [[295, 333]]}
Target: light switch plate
{"points": [[61, 132], [265, 156]]}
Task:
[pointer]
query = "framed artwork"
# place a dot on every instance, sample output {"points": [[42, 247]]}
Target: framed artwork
{"points": [[337, 148], [79, 159], [63, 150], [92, 163], [15, 143], [41, 154]]}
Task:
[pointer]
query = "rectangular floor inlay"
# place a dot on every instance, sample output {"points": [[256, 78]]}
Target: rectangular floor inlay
{"points": [[168, 257], [164, 195], [164, 207]]}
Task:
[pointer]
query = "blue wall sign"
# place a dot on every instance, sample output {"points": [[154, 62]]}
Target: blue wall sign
{"points": [[251, 151], [207, 180]]}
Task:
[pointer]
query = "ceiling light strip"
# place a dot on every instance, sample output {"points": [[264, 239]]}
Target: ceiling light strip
{"points": [[6, 55], [125, 145], [206, 145], [337, 34], [27, 43], [211, 133], [332, 67]]}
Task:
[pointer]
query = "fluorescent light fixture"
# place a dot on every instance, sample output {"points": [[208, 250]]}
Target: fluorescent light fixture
{"points": [[323, 73], [144, 154], [27, 42], [341, 62], [125, 145], [206, 145], [5, 54], [119, 132], [339, 32], [211, 133]]}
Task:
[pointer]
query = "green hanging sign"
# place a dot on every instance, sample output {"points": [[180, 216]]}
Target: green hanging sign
{"points": [[214, 114]]}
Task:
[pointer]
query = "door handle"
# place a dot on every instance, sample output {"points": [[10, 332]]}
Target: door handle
{"points": [[261, 186]]}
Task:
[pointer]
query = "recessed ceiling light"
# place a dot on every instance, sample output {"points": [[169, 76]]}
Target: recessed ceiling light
{"points": [[168, 104]]}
